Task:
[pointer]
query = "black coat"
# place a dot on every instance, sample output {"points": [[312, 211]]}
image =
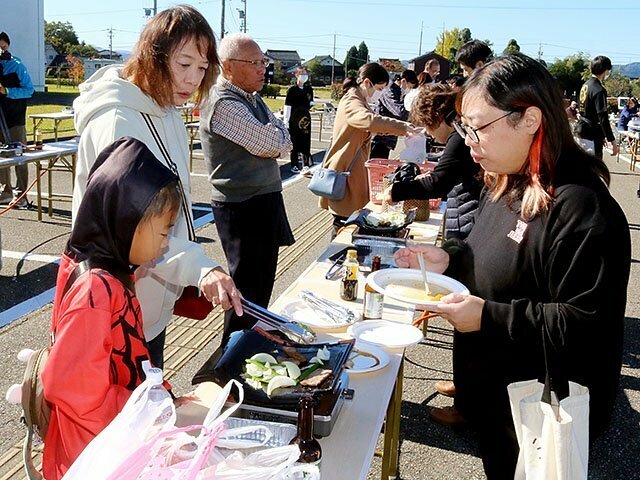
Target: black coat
{"points": [[566, 271], [456, 177]]}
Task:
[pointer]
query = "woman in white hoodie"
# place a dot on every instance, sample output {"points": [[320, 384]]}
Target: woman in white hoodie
{"points": [[174, 59]]}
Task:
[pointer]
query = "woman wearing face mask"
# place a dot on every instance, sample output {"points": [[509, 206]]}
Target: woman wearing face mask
{"points": [[297, 116], [352, 130], [549, 255]]}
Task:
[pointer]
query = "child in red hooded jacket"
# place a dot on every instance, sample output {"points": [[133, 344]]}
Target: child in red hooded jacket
{"points": [[97, 342]]}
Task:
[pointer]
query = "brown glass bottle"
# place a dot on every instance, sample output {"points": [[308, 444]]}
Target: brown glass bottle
{"points": [[373, 300], [349, 284], [310, 450]]}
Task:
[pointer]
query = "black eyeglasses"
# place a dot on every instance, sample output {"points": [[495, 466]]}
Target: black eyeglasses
{"points": [[256, 63], [464, 130]]}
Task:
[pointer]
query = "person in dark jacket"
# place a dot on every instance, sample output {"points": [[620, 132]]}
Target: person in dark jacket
{"points": [[15, 89], [456, 176], [593, 99], [297, 116], [473, 54], [549, 256], [391, 104], [629, 111]]}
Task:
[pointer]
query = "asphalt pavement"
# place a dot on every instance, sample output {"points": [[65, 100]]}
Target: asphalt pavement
{"points": [[427, 450]]}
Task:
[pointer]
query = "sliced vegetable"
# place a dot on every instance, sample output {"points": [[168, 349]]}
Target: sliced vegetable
{"points": [[292, 369], [263, 371], [264, 358], [279, 382]]}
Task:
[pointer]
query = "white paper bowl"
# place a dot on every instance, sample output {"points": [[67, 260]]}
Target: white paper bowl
{"points": [[381, 279]]}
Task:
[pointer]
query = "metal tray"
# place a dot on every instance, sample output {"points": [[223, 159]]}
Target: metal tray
{"points": [[227, 363], [359, 218]]}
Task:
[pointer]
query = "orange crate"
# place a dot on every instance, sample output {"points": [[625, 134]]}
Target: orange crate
{"points": [[378, 168]]}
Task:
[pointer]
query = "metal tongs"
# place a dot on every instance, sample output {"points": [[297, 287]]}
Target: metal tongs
{"points": [[335, 312], [292, 330]]}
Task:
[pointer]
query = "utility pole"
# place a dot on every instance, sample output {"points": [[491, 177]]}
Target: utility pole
{"points": [[539, 51], [420, 47], [333, 58], [222, 22], [151, 12], [244, 17], [110, 42]]}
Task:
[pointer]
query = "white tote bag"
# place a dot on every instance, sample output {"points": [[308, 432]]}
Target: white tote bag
{"points": [[553, 436]]}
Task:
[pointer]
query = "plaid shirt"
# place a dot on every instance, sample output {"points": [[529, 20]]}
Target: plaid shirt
{"points": [[236, 122]]}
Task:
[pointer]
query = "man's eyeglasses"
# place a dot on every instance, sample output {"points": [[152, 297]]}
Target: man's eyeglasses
{"points": [[464, 130], [256, 63]]}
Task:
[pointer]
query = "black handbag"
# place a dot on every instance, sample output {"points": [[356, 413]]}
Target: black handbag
{"points": [[584, 128]]}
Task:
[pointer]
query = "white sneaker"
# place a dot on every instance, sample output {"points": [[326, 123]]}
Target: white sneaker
{"points": [[295, 170]]}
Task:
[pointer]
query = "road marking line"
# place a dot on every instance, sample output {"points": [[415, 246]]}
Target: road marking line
{"points": [[39, 301], [27, 307], [33, 257]]}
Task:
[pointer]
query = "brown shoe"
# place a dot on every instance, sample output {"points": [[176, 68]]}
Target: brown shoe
{"points": [[446, 388], [447, 416]]}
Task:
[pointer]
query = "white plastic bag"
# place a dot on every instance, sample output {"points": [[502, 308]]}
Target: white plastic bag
{"points": [[148, 411], [270, 464], [415, 148]]}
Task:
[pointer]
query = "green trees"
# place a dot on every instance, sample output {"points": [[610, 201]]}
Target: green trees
{"points": [[64, 39], [315, 69], [449, 42], [570, 73], [512, 47], [356, 57], [363, 54]]}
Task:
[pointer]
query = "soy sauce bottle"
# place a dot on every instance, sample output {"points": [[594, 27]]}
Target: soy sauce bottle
{"points": [[349, 284], [310, 450]]}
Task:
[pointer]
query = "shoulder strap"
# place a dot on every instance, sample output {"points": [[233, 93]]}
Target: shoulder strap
{"points": [[354, 159], [174, 168], [86, 265], [348, 170]]}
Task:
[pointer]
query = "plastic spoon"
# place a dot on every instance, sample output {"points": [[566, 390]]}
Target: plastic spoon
{"points": [[423, 270]]}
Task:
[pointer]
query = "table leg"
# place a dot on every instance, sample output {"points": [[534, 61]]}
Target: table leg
{"points": [[55, 129], [50, 164], [392, 429], [73, 171], [39, 189]]}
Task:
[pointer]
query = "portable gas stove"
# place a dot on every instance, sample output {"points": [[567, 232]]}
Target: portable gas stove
{"points": [[325, 413], [228, 361], [364, 232]]}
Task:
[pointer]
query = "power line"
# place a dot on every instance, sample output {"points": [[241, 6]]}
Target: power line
{"points": [[475, 6]]}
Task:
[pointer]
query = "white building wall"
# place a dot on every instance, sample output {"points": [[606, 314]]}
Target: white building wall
{"points": [[92, 66], [23, 21]]}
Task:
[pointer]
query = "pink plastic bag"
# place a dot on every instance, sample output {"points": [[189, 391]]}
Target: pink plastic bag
{"points": [[156, 460]]}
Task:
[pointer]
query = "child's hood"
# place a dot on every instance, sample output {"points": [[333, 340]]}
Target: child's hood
{"points": [[107, 89], [122, 183]]}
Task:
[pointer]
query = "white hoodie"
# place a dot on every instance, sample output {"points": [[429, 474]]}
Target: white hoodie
{"points": [[109, 108]]}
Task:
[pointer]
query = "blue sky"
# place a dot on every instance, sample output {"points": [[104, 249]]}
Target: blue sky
{"points": [[390, 28]]}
